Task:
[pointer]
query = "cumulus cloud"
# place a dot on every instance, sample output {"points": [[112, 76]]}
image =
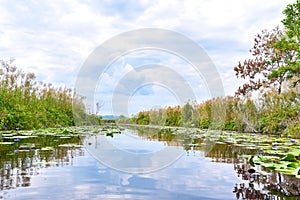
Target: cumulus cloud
{"points": [[54, 38]]}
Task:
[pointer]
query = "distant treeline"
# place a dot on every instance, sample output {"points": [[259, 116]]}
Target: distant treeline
{"points": [[29, 104], [272, 113]]}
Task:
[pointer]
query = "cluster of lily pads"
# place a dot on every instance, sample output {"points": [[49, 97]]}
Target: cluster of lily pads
{"points": [[10, 137], [46, 141], [272, 152], [16, 136], [108, 130]]}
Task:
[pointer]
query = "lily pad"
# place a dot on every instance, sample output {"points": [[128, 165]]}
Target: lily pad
{"points": [[264, 147], [240, 145], [21, 137], [47, 149], [27, 146], [70, 145], [269, 165], [45, 163], [8, 135], [290, 157], [6, 143], [295, 152], [274, 152], [64, 137], [220, 143], [293, 165]]}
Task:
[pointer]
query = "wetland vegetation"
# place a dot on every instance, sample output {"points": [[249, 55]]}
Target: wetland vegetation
{"points": [[256, 132]]}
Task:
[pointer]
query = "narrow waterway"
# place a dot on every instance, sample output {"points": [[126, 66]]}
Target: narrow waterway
{"points": [[132, 165]]}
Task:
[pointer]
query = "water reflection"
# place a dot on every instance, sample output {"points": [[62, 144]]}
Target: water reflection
{"points": [[130, 154], [253, 185], [19, 162], [258, 185], [68, 171]]}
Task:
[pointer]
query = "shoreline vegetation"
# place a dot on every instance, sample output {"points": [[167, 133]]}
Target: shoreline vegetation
{"points": [[27, 104], [271, 114]]}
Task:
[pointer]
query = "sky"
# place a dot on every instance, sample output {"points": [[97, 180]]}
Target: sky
{"points": [[54, 39]]}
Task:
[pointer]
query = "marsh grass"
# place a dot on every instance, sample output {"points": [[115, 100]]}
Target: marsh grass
{"points": [[26, 103]]}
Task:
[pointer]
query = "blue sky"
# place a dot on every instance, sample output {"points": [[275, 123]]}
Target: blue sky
{"points": [[54, 38]]}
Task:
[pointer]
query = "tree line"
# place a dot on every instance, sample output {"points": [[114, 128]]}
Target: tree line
{"points": [[268, 102]]}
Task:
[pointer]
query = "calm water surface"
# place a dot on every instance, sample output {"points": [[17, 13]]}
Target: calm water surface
{"points": [[71, 172]]}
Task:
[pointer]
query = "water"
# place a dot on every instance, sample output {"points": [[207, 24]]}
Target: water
{"points": [[67, 172]]}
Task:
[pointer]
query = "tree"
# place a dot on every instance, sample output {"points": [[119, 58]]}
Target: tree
{"points": [[292, 20], [292, 25], [187, 112], [271, 65]]}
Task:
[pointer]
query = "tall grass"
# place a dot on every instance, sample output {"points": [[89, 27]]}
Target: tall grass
{"points": [[28, 104]]}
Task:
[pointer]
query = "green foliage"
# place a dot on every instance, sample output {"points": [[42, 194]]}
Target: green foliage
{"points": [[278, 111], [205, 110], [157, 116], [143, 118], [187, 112], [273, 62], [292, 25], [28, 104], [292, 20], [173, 116], [293, 129]]}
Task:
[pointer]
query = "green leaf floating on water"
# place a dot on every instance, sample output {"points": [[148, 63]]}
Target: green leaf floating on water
{"points": [[8, 135], [290, 157], [70, 145], [24, 136], [27, 146], [45, 163], [268, 165], [264, 147], [65, 131], [293, 164], [6, 143], [288, 164], [295, 152], [260, 159], [47, 149], [65, 137], [275, 152]]}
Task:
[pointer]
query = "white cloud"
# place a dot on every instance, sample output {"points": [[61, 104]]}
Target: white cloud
{"points": [[53, 38]]}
